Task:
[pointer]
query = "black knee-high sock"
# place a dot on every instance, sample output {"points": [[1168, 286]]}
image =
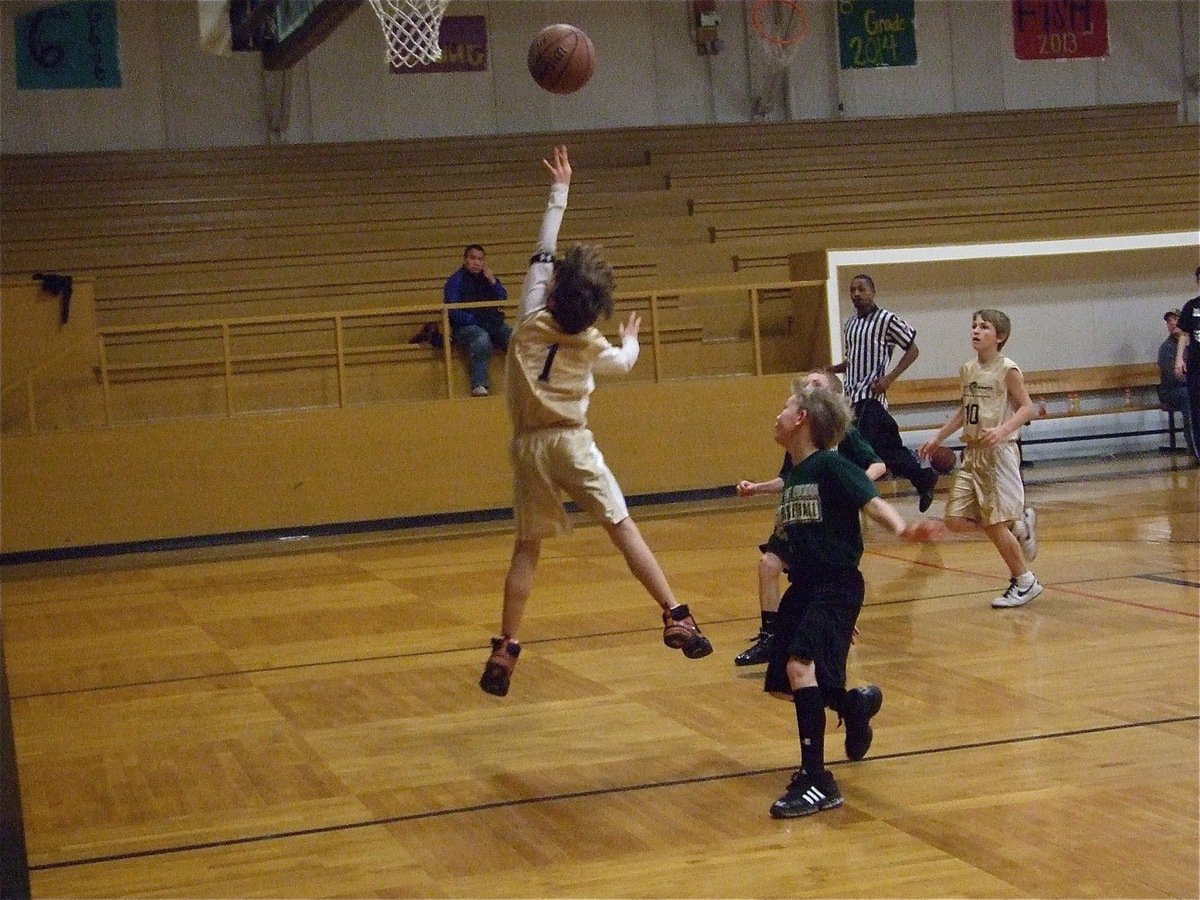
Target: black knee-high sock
{"points": [[810, 721]]}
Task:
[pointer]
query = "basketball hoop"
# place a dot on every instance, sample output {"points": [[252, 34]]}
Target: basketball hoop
{"points": [[781, 24], [411, 28]]}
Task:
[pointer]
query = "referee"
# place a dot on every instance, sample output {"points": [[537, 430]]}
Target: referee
{"points": [[869, 337]]}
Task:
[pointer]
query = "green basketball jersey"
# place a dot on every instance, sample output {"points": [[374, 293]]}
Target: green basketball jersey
{"points": [[817, 521]]}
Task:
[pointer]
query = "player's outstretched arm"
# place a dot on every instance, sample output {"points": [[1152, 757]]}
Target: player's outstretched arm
{"points": [[747, 488], [887, 515], [541, 266]]}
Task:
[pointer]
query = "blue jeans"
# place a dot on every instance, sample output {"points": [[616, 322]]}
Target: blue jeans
{"points": [[1177, 399], [480, 342]]}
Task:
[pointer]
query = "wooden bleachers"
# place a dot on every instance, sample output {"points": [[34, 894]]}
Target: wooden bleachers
{"points": [[748, 139], [255, 287], [183, 236], [1167, 195], [742, 190], [685, 165]]}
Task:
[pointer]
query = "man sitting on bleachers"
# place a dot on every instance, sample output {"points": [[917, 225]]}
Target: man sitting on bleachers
{"points": [[480, 331]]}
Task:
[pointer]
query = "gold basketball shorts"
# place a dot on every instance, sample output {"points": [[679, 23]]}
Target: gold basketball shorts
{"points": [[988, 488], [551, 462]]}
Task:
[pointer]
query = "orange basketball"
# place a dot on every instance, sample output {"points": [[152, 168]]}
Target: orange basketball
{"points": [[943, 459], [561, 59]]}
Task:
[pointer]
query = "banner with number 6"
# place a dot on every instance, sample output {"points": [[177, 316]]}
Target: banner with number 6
{"points": [[70, 45]]}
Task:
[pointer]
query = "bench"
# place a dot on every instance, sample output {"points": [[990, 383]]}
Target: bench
{"points": [[497, 160], [1172, 198], [1057, 394], [502, 155], [917, 180], [816, 170], [441, 247], [699, 168], [249, 291], [982, 126], [208, 215], [947, 146]]}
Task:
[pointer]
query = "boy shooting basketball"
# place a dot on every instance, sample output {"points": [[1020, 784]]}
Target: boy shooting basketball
{"points": [[987, 493], [819, 537], [553, 354]]}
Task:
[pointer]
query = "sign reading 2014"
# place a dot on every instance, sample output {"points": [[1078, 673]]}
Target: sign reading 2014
{"points": [[874, 33]]}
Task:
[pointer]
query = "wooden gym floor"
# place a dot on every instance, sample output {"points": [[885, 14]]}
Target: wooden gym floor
{"points": [[303, 720]]}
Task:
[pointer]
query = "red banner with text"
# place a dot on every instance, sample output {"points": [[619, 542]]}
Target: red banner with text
{"points": [[1060, 29]]}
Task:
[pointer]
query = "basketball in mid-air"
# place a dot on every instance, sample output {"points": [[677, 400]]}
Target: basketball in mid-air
{"points": [[561, 59], [943, 459]]}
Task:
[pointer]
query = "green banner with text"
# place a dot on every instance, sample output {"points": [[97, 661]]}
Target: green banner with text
{"points": [[875, 33], [70, 45]]}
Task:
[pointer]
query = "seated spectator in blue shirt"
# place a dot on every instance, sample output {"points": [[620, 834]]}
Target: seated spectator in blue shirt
{"points": [[481, 331]]}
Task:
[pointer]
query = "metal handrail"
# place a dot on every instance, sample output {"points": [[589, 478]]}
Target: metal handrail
{"points": [[340, 354]]}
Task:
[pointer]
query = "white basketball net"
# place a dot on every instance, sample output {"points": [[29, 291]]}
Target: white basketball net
{"points": [[782, 25], [411, 28]]}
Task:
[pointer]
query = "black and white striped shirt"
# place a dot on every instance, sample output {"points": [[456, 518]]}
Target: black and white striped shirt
{"points": [[869, 341]]}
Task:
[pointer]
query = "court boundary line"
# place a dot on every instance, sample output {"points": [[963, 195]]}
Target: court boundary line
{"points": [[576, 795], [266, 670]]}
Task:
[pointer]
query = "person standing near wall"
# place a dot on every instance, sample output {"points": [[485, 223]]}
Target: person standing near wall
{"points": [[480, 331], [869, 337], [1187, 364], [1172, 390]]}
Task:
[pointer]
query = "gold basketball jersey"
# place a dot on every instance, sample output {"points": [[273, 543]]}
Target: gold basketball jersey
{"points": [[550, 374], [985, 396]]}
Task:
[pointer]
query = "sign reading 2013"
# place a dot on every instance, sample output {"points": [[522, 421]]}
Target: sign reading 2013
{"points": [[1060, 29], [874, 33]]}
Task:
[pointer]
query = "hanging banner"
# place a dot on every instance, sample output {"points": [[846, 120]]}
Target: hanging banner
{"points": [[71, 45], [1060, 29], [463, 40], [875, 33]]}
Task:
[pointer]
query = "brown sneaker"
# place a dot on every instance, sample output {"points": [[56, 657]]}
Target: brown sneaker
{"points": [[680, 632], [500, 665]]}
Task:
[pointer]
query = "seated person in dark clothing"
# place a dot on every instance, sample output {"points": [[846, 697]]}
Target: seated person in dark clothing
{"points": [[480, 331]]}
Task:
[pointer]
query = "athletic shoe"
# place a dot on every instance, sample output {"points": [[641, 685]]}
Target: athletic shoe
{"points": [[1027, 534], [480, 391], [925, 494], [859, 705], [680, 632], [500, 665], [1017, 595], [757, 652], [807, 795]]}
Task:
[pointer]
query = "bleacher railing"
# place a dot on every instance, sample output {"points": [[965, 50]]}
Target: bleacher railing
{"points": [[691, 332]]}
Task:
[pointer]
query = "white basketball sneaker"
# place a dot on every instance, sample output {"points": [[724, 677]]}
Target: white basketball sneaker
{"points": [[1018, 594]]}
